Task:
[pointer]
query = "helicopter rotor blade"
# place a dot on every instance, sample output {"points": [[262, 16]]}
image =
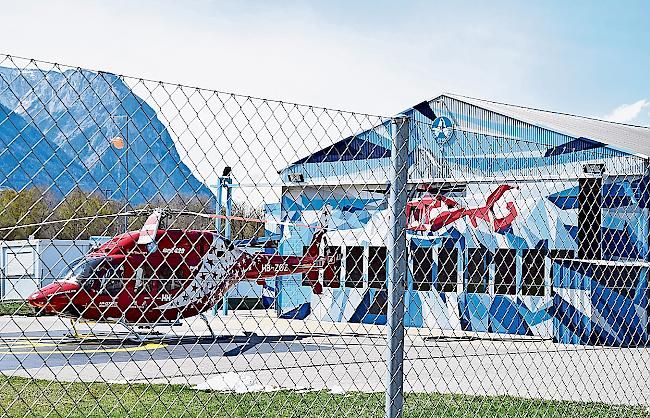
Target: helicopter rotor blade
{"points": [[159, 213], [245, 219], [83, 218]]}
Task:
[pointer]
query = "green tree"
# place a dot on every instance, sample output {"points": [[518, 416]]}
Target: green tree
{"points": [[241, 229], [79, 204], [81, 214], [24, 207]]}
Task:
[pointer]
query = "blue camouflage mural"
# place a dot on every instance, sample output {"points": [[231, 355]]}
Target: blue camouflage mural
{"points": [[520, 238]]}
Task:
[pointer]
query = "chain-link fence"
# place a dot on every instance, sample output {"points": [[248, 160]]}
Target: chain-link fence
{"points": [[169, 250]]}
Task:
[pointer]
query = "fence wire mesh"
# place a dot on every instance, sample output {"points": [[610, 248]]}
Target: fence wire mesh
{"points": [[169, 250]]}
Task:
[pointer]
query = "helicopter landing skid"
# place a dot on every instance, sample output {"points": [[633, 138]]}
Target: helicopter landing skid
{"points": [[133, 334], [75, 334], [207, 323]]}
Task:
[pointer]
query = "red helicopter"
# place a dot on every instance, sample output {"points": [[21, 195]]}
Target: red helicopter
{"points": [[158, 276]]}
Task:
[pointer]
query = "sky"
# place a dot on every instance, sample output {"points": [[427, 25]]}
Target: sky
{"points": [[583, 57], [378, 57]]}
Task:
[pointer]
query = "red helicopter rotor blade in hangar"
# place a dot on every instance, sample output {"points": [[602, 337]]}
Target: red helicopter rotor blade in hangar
{"points": [[161, 275], [436, 211]]}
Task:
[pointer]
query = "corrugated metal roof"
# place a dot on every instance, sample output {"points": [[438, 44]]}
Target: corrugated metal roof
{"points": [[630, 138]]}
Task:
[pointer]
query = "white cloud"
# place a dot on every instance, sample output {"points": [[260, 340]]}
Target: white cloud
{"points": [[627, 112]]}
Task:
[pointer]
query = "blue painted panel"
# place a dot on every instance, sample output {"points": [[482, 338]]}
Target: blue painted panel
{"points": [[618, 194], [291, 293], [505, 317], [615, 319], [356, 147], [642, 192], [413, 309], [532, 318], [570, 325], [565, 199], [620, 314], [475, 311], [574, 145], [372, 308], [619, 243], [571, 274], [301, 312]]}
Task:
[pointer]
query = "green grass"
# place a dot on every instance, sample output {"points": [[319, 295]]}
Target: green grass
{"points": [[20, 308], [16, 308], [37, 398]]}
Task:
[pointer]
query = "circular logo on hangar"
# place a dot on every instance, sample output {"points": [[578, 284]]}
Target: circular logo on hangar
{"points": [[443, 129]]}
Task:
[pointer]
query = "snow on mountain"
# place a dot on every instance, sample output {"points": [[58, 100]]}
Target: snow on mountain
{"points": [[55, 131]]}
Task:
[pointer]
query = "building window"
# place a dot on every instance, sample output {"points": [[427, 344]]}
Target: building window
{"points": [[422, 262], [532, 273], [332, 274], [589, 218], [477, 271], [621, 279], [563, 254], [447, 278], [505, 272], [354, 267], [377, 258]]}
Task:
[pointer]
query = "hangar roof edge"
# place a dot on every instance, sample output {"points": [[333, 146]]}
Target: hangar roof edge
{"points": [[627, 137]]}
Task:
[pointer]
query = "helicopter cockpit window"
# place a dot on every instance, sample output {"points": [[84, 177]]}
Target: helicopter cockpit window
{"points": [[98, 274], [111, 278], [112, 285], [84, 268]]}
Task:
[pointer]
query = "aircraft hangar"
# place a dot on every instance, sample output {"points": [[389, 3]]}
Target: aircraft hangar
{"points": [[520, 221]]}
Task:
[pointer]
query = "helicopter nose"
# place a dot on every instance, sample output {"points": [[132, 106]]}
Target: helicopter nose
{"points": [[54, 297], [37, 299]]}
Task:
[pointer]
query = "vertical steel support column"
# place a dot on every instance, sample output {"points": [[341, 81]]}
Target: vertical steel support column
{"points": [[127, 144], [228, 186], [397, 266], [217, 221], [227, 183], [217, 209]]}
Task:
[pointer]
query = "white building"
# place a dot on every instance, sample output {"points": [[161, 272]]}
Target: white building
{"points": [[26, 265]]}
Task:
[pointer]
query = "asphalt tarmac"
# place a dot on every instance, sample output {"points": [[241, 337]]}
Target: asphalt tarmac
{"points": [[266, 352]]}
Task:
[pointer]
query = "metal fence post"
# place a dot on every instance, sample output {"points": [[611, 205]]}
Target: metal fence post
{"points": [[218, 206], [397, 266], [227, 183], [228, 221], [217, 222]]}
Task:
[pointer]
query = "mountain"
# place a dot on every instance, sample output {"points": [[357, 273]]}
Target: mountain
{"points": [[55, 131]]}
